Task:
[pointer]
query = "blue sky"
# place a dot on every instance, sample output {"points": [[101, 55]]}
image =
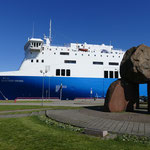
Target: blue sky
{"points": [[125, 23]]}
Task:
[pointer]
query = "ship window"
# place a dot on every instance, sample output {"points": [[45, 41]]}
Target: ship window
{"points": [[34, 44], [97, 63], [70, 61], [111, 74], [62, 72], [67, 72], [37, 44], [116, 74], [88, 54], [64, 53], [37, 60], [32, 60], [57, 72], [75, 53], [105, 74], [94, 55], [113, 63], [42, 60]]}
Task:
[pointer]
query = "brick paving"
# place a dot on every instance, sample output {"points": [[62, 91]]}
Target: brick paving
{"points": [[121, 123]]}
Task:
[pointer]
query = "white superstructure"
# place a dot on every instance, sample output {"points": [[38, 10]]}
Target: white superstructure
{"points": [[83, 60]]}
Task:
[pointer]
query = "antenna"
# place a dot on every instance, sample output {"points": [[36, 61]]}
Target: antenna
{"points": [[33, 30], [110, 43], [50, 32]]}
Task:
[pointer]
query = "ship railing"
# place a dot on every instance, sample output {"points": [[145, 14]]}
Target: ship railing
{"points": [[58, 45]]}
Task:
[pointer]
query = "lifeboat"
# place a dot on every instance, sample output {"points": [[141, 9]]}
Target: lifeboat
{"points": [[83, 49]]}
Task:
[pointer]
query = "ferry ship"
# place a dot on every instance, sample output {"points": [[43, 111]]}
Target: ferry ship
{"points": [[63, 72]]}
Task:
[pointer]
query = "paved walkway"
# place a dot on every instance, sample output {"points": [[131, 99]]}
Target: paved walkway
{"points": [[71, 103], [127, 123]]}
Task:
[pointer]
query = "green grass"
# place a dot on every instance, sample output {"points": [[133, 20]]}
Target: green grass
{"points": [[20, 112], [25, 107], [30, 133]]}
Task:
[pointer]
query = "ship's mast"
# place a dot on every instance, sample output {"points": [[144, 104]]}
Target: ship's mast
{"points": [[48, 39], [50, 32]]}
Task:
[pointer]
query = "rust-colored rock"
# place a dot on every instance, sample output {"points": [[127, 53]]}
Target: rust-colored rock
{"points": [[135, 65], [121, 96]]}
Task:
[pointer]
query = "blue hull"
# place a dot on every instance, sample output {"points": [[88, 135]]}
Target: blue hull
{"points": [[12, 87]]}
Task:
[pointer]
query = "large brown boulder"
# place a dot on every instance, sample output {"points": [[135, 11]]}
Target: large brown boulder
{"points": [[135, 65], [121, 96]]}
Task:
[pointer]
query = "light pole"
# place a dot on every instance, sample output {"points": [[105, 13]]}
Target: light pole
{"points": [[61, 91], [43, 72], [49, 89]]}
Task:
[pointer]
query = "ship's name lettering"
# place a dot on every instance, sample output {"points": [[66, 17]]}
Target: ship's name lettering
{"points": [[12, 81]]}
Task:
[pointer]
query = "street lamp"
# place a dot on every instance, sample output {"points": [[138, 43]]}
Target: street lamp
{"points": [[43, 72]]}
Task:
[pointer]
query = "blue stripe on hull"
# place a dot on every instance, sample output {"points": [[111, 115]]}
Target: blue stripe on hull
{"points": [[12, 87]]}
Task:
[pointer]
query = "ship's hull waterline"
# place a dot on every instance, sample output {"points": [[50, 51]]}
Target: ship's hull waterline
{"points": [[12, 87]]}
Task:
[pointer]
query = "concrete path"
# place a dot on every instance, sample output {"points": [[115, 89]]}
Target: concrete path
{"points": [[126, 123], [72, 103], [22, 115]]}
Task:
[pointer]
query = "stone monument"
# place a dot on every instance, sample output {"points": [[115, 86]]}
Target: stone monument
{"points": [[134, 70]]}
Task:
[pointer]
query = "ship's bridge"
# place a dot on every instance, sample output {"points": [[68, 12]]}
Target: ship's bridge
{"points": [[34, 44]]}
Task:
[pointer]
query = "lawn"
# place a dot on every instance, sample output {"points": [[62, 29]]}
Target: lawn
{"points": [[30, 133], [25, 107]]}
